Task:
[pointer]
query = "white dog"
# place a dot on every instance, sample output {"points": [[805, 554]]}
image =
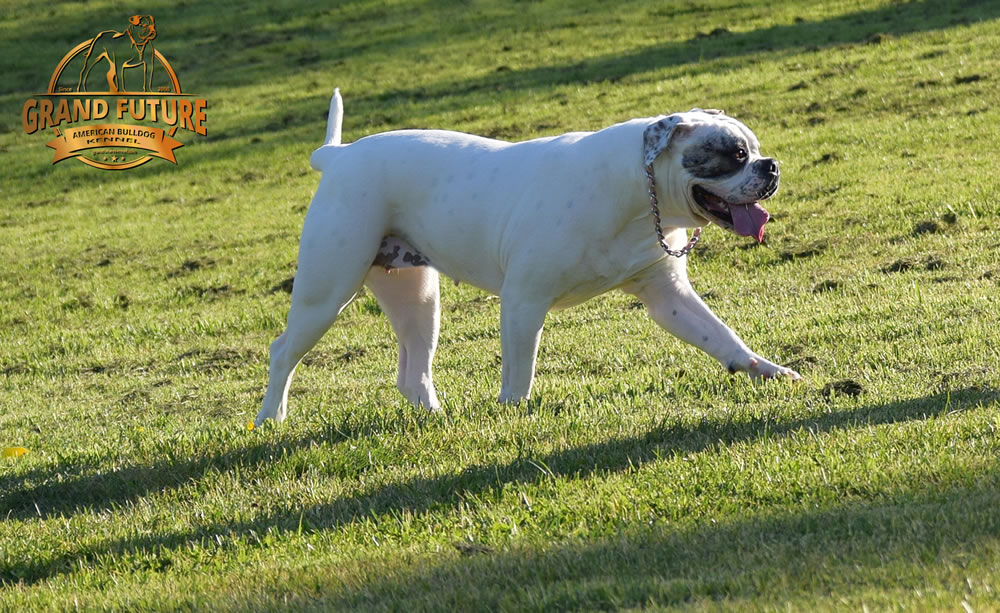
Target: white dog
{"points": [[545, 224]]}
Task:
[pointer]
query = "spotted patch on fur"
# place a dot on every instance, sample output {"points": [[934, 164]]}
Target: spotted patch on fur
{"points": [[716, 157], [656, 137], [395, 252]]}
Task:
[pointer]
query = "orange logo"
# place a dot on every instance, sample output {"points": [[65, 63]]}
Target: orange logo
{"points": [[117, 75]]}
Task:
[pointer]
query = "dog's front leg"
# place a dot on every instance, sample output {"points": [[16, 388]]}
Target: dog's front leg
{"points": [[675, 306], [521, 321]]}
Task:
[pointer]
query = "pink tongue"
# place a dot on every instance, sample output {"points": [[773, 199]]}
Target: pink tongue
{"points": [[749, 220]]}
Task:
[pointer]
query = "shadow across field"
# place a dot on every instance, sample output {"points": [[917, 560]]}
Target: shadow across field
{"points": [[216, 53], [213, 48], [868, 26], [59, 494], [860, 544]]}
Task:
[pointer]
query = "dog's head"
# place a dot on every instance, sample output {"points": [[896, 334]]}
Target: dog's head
{"points": [[144, 26], [715, 171]]}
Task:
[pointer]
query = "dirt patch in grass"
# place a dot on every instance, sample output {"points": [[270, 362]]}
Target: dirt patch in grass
{"points": [[78, 302], [963, 378], [471, 549], [803, 363], [900, 265], [946, 279], [972, 78], [806, 251], [826, 286], [283, 286], [330, 359], [845, 387], [798, 357], [189, 266], [217, 359], [352, 354], [717, 32], [135, 398], [210, 291], [930, 262], [878, 38], [827, 158], [934, 263], [478, 303], [15, 369]]}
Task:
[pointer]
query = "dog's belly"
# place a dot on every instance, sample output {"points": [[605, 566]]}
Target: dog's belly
{"points": [[395, 253]]}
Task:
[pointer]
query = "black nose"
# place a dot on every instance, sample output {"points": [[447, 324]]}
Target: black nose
{"points": [[768, 167]]}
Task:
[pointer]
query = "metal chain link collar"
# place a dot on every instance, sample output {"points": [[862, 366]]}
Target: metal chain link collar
{"points": [[654, 205]]}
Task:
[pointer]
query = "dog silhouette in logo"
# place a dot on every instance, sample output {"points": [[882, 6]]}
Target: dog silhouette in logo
{"points": [[129, 49]]}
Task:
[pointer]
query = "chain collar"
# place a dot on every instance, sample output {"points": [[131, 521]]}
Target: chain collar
{"points": [[654, 205]]}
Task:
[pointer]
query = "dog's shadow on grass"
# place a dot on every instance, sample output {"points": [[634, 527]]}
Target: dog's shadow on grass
{"points": [[77, 486], [58, 495], [784, 556]]}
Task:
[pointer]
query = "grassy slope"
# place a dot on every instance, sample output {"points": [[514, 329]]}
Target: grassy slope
{"points": [[136, 308]]}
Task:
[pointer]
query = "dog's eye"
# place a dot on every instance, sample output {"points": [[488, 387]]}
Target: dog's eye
{"points": [[740, 155]]}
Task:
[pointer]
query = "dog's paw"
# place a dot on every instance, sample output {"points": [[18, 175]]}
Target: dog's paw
{"points": [[760, 368], [274, 414]]}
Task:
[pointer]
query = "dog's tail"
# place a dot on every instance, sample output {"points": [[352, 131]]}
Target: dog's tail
{"points": [[334, 127], [335, 122]]}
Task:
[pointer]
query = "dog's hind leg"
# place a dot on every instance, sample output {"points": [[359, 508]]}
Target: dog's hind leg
{"points": [[410, 297], [334, 258]]}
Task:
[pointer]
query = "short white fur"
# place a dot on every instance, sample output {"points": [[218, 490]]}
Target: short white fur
{"points": [[545, 224]]}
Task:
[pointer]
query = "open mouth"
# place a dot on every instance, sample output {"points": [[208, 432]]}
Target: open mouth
{"points": [[743, 218]]}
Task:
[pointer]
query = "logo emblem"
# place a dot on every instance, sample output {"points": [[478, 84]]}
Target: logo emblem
{"points": [[116, 76]]}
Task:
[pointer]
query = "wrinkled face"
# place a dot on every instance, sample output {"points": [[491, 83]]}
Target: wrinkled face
{"points": [[724, 175]]}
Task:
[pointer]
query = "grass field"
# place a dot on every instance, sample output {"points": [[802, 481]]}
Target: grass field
{"points": [[136, 309]]}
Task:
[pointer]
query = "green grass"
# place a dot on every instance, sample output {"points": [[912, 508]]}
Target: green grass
{"points": [[136, 309]]}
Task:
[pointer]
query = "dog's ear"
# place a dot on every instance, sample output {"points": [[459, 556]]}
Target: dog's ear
{"points": [[135, 19], [657, 136]]}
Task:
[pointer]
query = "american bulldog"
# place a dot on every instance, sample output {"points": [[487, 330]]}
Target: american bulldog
{"points": [[544, 224]]}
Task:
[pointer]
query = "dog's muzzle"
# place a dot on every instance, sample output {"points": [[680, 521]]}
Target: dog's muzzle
{"points": [[743, 218]]}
